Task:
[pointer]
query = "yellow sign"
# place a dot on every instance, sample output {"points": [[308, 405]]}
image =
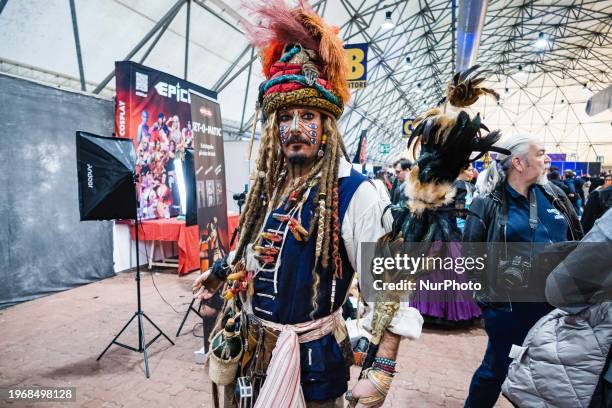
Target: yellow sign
{"points": [[407, 127], [357, 60]]}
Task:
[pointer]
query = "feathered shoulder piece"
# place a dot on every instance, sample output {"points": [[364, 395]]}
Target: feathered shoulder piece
{"points": [[298, 51], [447, 143]]}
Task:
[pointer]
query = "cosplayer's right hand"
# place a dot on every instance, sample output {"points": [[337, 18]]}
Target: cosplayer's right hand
{"points": [[364, 394], [205, 286]]}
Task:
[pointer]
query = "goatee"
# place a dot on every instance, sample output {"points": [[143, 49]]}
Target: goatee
{"points": [[298, 159]]}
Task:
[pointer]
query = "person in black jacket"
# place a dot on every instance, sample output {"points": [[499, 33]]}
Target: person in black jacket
{"points": [[576, 195], [397, 192], [464, 194], [501, 213], [555, 178], [600, 200]]}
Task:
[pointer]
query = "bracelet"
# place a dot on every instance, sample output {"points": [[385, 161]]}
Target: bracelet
{"points": [[383, 367], [385, 361]]}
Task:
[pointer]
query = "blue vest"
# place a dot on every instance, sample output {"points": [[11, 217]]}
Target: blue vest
{"points": [[323, 370]]}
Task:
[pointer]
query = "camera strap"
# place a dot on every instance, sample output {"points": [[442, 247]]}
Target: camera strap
{"points": [[533, 210], [533, 219]]}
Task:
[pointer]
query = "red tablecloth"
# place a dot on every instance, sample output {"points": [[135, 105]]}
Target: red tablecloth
{"points": [[173, 230], [232, 223]]}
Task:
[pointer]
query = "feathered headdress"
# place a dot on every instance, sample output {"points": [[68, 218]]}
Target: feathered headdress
{"points": [[447, 142], [302, 58]]}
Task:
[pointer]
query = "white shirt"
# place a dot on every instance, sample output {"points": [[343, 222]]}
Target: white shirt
{"points": [[363, 220]]}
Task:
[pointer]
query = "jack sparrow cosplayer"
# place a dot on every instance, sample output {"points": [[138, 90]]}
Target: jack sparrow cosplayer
{"points": [[281, 340]]}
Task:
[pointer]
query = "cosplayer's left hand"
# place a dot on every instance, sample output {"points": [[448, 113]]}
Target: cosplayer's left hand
{"points": [[205, 286]]}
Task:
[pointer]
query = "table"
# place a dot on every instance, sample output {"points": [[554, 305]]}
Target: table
{"points": [[171, 229]]}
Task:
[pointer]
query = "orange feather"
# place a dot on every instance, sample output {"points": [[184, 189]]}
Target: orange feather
{"points": [[271, 54]]}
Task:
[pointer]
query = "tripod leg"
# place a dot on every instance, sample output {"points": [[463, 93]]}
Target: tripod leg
{"points": [[204, 338], [143, 345], [178, 332], [158, 329], [116, 337]]}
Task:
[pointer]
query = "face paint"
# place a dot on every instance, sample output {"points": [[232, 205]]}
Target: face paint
{"points": [[297, 128], [284, 133], [312, 132]]}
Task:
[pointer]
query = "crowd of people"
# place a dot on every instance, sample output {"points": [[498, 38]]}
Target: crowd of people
{"points": [[159, 145], [494, 208], [578, 188], [590, 195]]}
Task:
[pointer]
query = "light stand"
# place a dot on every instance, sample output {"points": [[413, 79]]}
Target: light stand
{"points": [[142, 346]]}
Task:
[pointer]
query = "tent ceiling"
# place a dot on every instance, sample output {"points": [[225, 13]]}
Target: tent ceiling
{"points": [[546, 93]]}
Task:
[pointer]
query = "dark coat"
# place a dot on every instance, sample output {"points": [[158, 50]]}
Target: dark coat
{"points": [[484, 224], [599, 202]]}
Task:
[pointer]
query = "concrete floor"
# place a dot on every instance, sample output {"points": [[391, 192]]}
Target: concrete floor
{"points": [[54, 341]]}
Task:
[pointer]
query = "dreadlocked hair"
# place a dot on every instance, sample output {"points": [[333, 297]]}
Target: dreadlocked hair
{"points": [[267, 177], [326, 207]]}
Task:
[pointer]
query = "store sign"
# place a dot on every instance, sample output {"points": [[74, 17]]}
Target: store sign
{"points": [[407, 127], [357, 61]]}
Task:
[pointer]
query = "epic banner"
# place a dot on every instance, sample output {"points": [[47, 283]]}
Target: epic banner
{"points": [[210, 179], [153, 109]]}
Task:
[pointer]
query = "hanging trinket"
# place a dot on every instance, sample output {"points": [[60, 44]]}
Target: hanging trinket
{"points": [[272, 236], [237, 282], [266, 250], [281, 217], [299, 232], [266, 259]]}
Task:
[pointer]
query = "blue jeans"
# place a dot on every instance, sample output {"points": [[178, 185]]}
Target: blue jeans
{"points": [[504, 328]]}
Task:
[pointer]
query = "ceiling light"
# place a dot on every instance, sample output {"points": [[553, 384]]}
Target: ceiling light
{"points": [[418, 89], [520, 74], [542, 42], [408, 61], [388, 23]]}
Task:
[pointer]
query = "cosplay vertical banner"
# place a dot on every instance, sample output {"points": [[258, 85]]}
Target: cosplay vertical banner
{"points": [[153, 109], [209, 166]]}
